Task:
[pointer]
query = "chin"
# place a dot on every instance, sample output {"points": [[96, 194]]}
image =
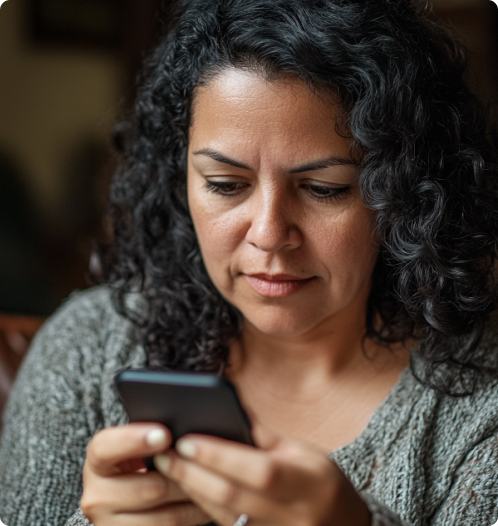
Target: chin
{"points": [[282, 323]]}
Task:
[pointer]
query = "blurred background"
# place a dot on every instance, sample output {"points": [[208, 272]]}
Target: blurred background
{"points": [[67, 72]]}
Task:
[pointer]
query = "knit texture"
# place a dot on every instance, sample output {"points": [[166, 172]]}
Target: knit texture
{"points": [[423, 459]]}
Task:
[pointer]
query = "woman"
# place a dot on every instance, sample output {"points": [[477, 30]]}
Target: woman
{"points": [[308, 205]]}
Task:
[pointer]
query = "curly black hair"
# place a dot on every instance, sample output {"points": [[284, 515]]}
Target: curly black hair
{"points": [[427, 167]]}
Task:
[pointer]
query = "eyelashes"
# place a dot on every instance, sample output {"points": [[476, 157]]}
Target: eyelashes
{"points": [[326, 193], [226, 189], [317, 192]]}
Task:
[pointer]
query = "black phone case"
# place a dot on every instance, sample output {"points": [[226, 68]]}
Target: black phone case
{"points": [[184, 403]]}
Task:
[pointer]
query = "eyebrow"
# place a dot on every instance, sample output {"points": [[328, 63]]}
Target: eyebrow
{"points": [[320, 164], [217, 156]]}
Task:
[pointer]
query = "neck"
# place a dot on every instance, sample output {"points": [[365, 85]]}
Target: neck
{"points": [[321, 386], [333, 350]]}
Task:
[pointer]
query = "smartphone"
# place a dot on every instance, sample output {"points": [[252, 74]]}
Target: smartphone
{"points": [[185, 403]]}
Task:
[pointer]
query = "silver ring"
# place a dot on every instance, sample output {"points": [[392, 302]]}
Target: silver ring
{"points": [[242, 520]]}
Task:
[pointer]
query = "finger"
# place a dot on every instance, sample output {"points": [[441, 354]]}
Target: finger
{"points": [[184, 514], [115, 445], [277, 473], [131, 492], [239, 462], [217, 513], [218, 490]]}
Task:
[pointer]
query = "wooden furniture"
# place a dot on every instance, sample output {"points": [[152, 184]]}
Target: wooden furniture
{"points": [[16, 333]]}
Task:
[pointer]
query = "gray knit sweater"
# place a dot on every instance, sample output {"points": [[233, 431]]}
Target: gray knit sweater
{"points": [[423, 459]]}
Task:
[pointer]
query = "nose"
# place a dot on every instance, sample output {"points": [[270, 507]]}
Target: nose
{"points": [[273, 223]]}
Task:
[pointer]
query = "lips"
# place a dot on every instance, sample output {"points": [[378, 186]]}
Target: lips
{"points": [[278, 285]]}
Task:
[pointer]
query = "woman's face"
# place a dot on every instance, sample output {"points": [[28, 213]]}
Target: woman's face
{"points": [[275, 202]]}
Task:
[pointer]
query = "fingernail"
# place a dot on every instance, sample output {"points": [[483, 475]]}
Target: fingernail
{"points": [[162, 463], [156, 438], [186, 448]]}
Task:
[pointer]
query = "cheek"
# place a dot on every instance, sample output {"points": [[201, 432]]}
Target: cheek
{"points": [[347, 247], [219, 233]]}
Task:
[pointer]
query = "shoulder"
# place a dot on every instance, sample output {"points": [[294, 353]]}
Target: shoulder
{"points": [[87, 316], [82, 336], [473, 418], [74, 357], [444, 427], [62, 395], [89, 309], [488, 348], [486, 387]]}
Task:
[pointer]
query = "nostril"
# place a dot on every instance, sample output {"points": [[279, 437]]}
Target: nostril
{"points": [[274, 237]]}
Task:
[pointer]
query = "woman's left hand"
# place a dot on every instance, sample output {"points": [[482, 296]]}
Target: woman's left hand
{"points": [[285, 482]]}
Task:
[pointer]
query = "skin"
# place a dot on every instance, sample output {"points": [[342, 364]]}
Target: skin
{"points": [[274, 198], [268, 220]]}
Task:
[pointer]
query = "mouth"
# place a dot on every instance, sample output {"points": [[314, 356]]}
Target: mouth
{"points": [[277, 285]]}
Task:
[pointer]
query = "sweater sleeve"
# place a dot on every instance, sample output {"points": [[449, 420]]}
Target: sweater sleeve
{"points": [[472, 497], [52, 413], [78, 519], [381, 514]]}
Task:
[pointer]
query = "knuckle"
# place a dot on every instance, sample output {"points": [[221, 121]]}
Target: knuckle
{"points": [[210, 456], [90, 504], [152, 491], [96, 448], [228, 495], [267, 476], [177, 469]]}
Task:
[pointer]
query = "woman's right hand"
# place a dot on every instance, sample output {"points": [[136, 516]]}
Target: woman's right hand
{"points": [[118, 490]]}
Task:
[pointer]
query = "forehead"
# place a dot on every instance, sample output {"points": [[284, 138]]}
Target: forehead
{"points": [[241, 108]]}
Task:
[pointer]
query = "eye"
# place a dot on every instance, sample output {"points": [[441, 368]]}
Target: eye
{"points": [[225, 188], [326, 193]]}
